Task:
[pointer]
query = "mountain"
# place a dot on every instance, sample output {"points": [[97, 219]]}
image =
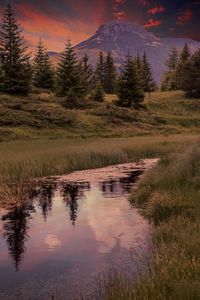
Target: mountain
{"points": [[122, 38]]}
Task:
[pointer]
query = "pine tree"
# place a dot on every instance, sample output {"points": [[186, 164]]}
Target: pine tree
{"points": [[138, 63], [87, 73], [130, 91], [148, 82], [191, 78], [109, 78], [180, 70], [42, 68], [99, 71], [170, 81], [2, 78], [15, 60], [98, 93], [68, 73]]}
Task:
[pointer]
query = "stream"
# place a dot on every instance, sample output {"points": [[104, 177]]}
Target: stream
{"points": [[74, 228]]}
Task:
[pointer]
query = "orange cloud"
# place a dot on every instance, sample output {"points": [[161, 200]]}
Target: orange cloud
{"points": [[54, 32], [156, 10], [152, 23], [119, 2], [120, 15], [185, 17]]}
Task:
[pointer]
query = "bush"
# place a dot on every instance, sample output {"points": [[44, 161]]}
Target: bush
{"points": [[98, 94]]}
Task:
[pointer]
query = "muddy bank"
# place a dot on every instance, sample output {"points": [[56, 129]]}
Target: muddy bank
{"points": [[107, 173]]}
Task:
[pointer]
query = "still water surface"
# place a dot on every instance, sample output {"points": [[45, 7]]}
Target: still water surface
{"points": [[67, 235]]}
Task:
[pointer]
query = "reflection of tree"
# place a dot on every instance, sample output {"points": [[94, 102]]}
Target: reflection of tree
{"points": [[71, 194], [45, 200], [127, 182], [16, 226], [110, 188]]}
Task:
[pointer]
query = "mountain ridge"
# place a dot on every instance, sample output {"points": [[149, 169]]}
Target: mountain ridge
{"points": [[121, 38]]}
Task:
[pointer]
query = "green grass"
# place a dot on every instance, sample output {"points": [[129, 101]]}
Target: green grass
{"points": [[21, 160], [169, 197], [43, 115]]}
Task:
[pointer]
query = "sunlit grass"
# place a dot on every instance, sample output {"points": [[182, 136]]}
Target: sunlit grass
{"points": [[25, 161], [169, 197]]}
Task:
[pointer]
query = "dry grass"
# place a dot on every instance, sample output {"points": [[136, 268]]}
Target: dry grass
{"points": [[169, 197]]}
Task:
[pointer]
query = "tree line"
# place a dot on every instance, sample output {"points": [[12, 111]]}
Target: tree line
{"points": [[183, 72], [76, 79], [71, 78]]}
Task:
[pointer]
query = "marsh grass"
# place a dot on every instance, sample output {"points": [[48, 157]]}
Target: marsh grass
{"points": [[169, 197], [21, 162]]}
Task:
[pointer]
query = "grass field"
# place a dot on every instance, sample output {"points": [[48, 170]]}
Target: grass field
{"points": [[169, 197], [41, 137], [42, 115]]}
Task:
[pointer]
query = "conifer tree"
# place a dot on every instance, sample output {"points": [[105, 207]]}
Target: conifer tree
{"points": [[109, 78], [138, 63], [98, 93], [130, 91], [87, 73], [170, 81], [148, 82], [2, 78], [191, 78], [15, 60], [42, 68], [68, 73], [182, 65], [99, 71]]}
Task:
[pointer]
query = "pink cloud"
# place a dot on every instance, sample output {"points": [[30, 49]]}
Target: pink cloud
{"points": [[156, 10], [120, 15], [152, 23], [185, 17]]}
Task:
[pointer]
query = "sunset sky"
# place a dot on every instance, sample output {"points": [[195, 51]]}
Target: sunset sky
{"points": [[55, 21]]}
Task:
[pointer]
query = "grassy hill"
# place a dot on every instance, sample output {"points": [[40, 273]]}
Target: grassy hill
{"points": [[42, 115]]}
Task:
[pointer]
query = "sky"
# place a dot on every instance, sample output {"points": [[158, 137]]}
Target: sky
{"points": [[56, 21]]}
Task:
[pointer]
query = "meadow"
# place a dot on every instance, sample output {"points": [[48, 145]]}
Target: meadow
{"points": [[44, 116], [169, 197], [41, 137]]}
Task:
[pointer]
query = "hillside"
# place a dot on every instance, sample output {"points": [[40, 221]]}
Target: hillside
{"points": [[44, 115], [122, 38]]}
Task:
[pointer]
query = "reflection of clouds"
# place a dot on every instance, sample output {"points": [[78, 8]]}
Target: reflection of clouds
{"points": [[52, 242], [111, 218]]}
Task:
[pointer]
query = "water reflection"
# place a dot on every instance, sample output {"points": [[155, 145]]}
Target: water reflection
{"points": [[67, 230], [72, 194], [15, 228]]}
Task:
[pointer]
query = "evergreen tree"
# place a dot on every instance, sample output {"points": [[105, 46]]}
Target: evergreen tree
{"points": [[87, 72], [148, 82], [191, 78], [170, 81], [42, 68], [98, 93], [182, 65], [130, 91], [109, 78], [15, 60], [68, 73], [99, 71], [138, 63], [2, 78]]}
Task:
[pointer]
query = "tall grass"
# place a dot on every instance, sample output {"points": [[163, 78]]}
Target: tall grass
{"points": [[20, 162], [26, 160], [169, 197]]}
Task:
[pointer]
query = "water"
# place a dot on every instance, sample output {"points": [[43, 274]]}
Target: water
{"points": [[67, 235]]}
